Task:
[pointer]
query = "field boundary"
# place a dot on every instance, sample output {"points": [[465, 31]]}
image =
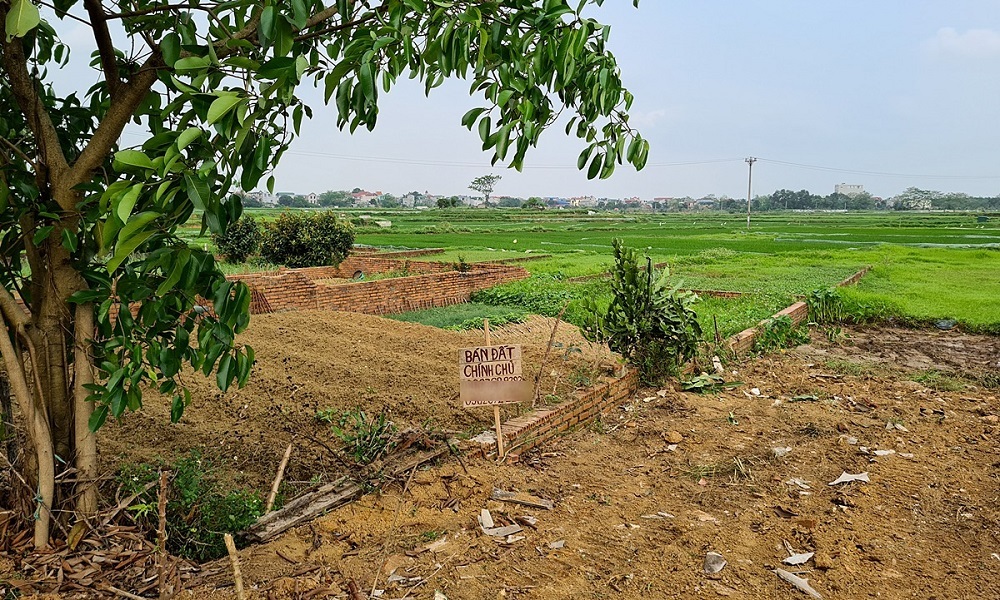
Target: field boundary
{"points": [[423, 285], [798, 313], [531, 430]]}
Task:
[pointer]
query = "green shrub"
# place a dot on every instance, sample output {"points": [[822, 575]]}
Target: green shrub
{"points": [[647, 322], [240, 241], [307, 239], [199, 511], [779, 332]]}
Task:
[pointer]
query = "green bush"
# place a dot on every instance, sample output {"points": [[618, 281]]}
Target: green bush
{"points": [[647, 322], [307, 239], [779, 332], [199, 512], [240, 241]]}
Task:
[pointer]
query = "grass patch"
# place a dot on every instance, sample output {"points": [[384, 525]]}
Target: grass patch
{"points": [[849, 367], [463, 317], [939, 380]]}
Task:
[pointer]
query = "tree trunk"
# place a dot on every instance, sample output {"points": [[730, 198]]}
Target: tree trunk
{"points": [[39, 434], [85, 440]]}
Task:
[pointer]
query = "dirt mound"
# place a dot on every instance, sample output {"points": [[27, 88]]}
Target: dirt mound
{"points": [[313, 360], [641, 498]]}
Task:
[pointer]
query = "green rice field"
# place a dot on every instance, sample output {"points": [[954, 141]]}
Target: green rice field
{"points": [[926, 266]]}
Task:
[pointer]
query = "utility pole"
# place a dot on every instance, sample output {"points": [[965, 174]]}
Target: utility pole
{"points": [[750, 161]]}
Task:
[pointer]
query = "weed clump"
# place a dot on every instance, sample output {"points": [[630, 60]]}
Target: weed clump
{"points": [[199, 510]]}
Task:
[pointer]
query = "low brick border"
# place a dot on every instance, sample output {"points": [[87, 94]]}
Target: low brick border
{"points": [[531, 430], [541, 425], [798, 313]]}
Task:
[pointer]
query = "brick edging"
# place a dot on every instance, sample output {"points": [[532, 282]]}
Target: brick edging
{"points": [[798, 313], [530, 430]]}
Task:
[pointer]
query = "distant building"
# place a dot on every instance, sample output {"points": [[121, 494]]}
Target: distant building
{"points": [[848, 189], [365, 198], [312, 198], [264, 198], [583, 201]]}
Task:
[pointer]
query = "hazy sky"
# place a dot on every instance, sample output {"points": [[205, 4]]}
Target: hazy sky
{"points": [[857, 88]]}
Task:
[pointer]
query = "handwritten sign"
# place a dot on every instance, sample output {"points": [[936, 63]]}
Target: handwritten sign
{"points": [[491, 375]]}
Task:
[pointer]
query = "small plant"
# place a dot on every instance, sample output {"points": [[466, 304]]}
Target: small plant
{"points": [[366, 438], [461, 266], [731, 418], [650, 324], [199, 511], [938, 380], [833, 334], [779, 332], [307, 240], [826, 306]]}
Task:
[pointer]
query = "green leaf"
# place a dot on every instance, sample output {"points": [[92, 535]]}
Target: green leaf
{"points": [[97, 418], [126, 248], [170, 48], [222, 377], [41, 234], [221, 106], [127, 202], [133, 158], [198, 191], [187, 136], [176, 408], [136, 223], [22, 17], [69, 240]]}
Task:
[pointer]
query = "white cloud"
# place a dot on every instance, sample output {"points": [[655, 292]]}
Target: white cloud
{"points": [[973, 43], [647, 119]]}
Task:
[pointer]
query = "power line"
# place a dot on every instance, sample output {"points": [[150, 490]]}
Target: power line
{"points": [[874, 173], [448, 163]]}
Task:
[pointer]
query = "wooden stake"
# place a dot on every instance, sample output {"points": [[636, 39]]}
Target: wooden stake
{"points": [[235, 559], [161, 539], [496, 408], [277, 479]]}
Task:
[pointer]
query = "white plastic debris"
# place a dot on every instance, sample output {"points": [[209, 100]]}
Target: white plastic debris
{"points": [[781, 451], [714, 562], [846, 477], [884, 452], [798, 559], [798, 481], [801, 584]]}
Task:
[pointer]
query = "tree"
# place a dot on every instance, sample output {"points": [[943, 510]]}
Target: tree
{"points": [[533, 202], [286, 200], [484, 185], [307, 239], [332, 198], [651, 324], [447, 202], [90, 221], [240, 241]]}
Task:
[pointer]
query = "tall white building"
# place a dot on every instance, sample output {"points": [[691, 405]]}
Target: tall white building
{"points": [[848, 189]]}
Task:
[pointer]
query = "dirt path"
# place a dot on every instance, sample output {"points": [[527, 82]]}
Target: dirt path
{"points": [[642, 497]]}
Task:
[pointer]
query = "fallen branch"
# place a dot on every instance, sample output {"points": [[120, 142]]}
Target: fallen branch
{"points": [[328, 497], [277, 479]]}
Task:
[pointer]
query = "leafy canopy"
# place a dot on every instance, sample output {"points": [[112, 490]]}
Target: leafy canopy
{"points": [[215, 86]]}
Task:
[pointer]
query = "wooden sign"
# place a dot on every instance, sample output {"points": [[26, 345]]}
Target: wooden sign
{"points": [[491, 375]]}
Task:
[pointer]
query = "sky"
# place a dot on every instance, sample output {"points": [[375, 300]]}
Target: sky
{"points": [[887, 94]]}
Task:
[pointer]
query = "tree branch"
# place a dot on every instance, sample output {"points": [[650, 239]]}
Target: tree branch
{"points": [[11, 310], [119, 114], [23, 86], [105, 47]]}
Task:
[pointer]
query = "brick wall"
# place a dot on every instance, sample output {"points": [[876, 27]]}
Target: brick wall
{"points": [[436, 284], [535, 428]]}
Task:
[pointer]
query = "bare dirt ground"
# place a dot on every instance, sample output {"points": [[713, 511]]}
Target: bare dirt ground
{"points": [[313, 360], [642, 497]]}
